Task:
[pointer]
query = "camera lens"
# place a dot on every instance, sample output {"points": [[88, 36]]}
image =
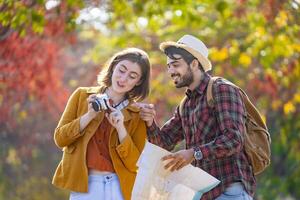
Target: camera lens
{"points": [[96, 105], [100, 103]]}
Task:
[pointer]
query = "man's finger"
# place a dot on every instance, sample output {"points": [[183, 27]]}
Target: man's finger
{"points": [[138, 104], [148, 115], [149, 106], [172, 164], [181, 165], [179, 162], [167, 157], [148, 112]]}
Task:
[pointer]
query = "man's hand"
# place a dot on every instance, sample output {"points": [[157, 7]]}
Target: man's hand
{"points": [[147, 112], [179, 159]]}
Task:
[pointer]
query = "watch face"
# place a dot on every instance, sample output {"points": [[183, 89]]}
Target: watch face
{"points": [[198, 155]]}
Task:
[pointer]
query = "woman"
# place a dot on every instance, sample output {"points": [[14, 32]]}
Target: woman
{"points": [[101, 148]]}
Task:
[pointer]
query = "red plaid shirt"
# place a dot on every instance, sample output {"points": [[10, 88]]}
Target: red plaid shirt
{"points": [[218, 132]]}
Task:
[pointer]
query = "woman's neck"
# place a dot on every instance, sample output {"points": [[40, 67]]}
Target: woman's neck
{"points": [[115, 96]]}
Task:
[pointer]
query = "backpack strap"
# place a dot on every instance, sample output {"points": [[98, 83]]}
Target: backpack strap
{"points": [[209, 92]]}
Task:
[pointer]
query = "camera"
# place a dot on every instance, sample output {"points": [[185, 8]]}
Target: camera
{"points": [[101, 102]]}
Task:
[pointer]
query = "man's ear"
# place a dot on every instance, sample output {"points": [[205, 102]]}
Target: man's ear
{"points": [[194, 64]]}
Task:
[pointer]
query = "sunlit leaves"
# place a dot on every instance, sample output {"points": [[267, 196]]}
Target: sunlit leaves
{"points": [[32, 16], [296, 98], [12, 157], [218, 55], [244, 59], [276, 104], [281, 19], [289, 108], [30, 68]]}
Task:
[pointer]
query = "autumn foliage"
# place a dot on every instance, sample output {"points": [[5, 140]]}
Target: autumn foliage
{"points": [[255, 44], [30, 73], [31, 60]]}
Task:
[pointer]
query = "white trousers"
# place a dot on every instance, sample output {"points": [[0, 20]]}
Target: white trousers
{"points": [[100, 187], [235, 191]]}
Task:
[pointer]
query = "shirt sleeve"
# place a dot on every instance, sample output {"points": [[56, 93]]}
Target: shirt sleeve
{"points": [[132, 145], [230, 114], [169, 134], [68, 128]]}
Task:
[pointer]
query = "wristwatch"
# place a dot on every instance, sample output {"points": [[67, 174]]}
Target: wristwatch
{"points": [[197, 153]]}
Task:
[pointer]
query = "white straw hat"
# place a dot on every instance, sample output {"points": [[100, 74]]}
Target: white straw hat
{"points": [[194, 46]]}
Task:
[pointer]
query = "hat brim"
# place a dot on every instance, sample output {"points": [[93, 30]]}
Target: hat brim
{"points": [[204, 61]]}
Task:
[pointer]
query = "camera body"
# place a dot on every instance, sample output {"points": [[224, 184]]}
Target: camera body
{"points": [[101, 103]]}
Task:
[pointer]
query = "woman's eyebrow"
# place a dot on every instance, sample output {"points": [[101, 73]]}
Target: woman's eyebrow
{"points": [[122, 65], [132, 72]]}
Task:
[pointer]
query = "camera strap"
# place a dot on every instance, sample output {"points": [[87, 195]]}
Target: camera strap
{"points": [[121, 105]]}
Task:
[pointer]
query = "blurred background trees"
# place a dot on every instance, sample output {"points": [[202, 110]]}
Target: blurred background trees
{"points": [[50, 47]]}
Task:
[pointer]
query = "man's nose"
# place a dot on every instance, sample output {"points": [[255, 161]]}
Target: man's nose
{"points": [[170, 70]]}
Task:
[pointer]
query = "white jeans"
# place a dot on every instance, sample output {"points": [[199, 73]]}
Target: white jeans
{"points": [[235, 191], [100, 187]]}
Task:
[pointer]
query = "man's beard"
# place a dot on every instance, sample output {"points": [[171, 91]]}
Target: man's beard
{"points": [[185, 80]]}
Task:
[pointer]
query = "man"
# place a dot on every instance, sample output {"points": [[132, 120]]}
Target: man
{"points": [[214, 136]]}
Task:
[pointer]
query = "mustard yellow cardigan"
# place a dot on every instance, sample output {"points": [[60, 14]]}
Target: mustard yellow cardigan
{"points": [[72, 172]]}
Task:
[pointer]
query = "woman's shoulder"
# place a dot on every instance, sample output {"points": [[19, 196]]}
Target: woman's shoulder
{"points": [[87, 90], [90, 90]]}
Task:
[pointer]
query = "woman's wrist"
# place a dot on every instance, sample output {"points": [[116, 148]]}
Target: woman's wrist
{"points": [[85, 120], [91, 114], [121, 132], [120, 127]]}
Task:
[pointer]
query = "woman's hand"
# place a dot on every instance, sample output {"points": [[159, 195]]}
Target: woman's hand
{"points": [[89, 115], [91, 112], [115, 117]]}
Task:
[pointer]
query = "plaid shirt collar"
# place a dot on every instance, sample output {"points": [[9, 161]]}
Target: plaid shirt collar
{"points": [[200, 89]]}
